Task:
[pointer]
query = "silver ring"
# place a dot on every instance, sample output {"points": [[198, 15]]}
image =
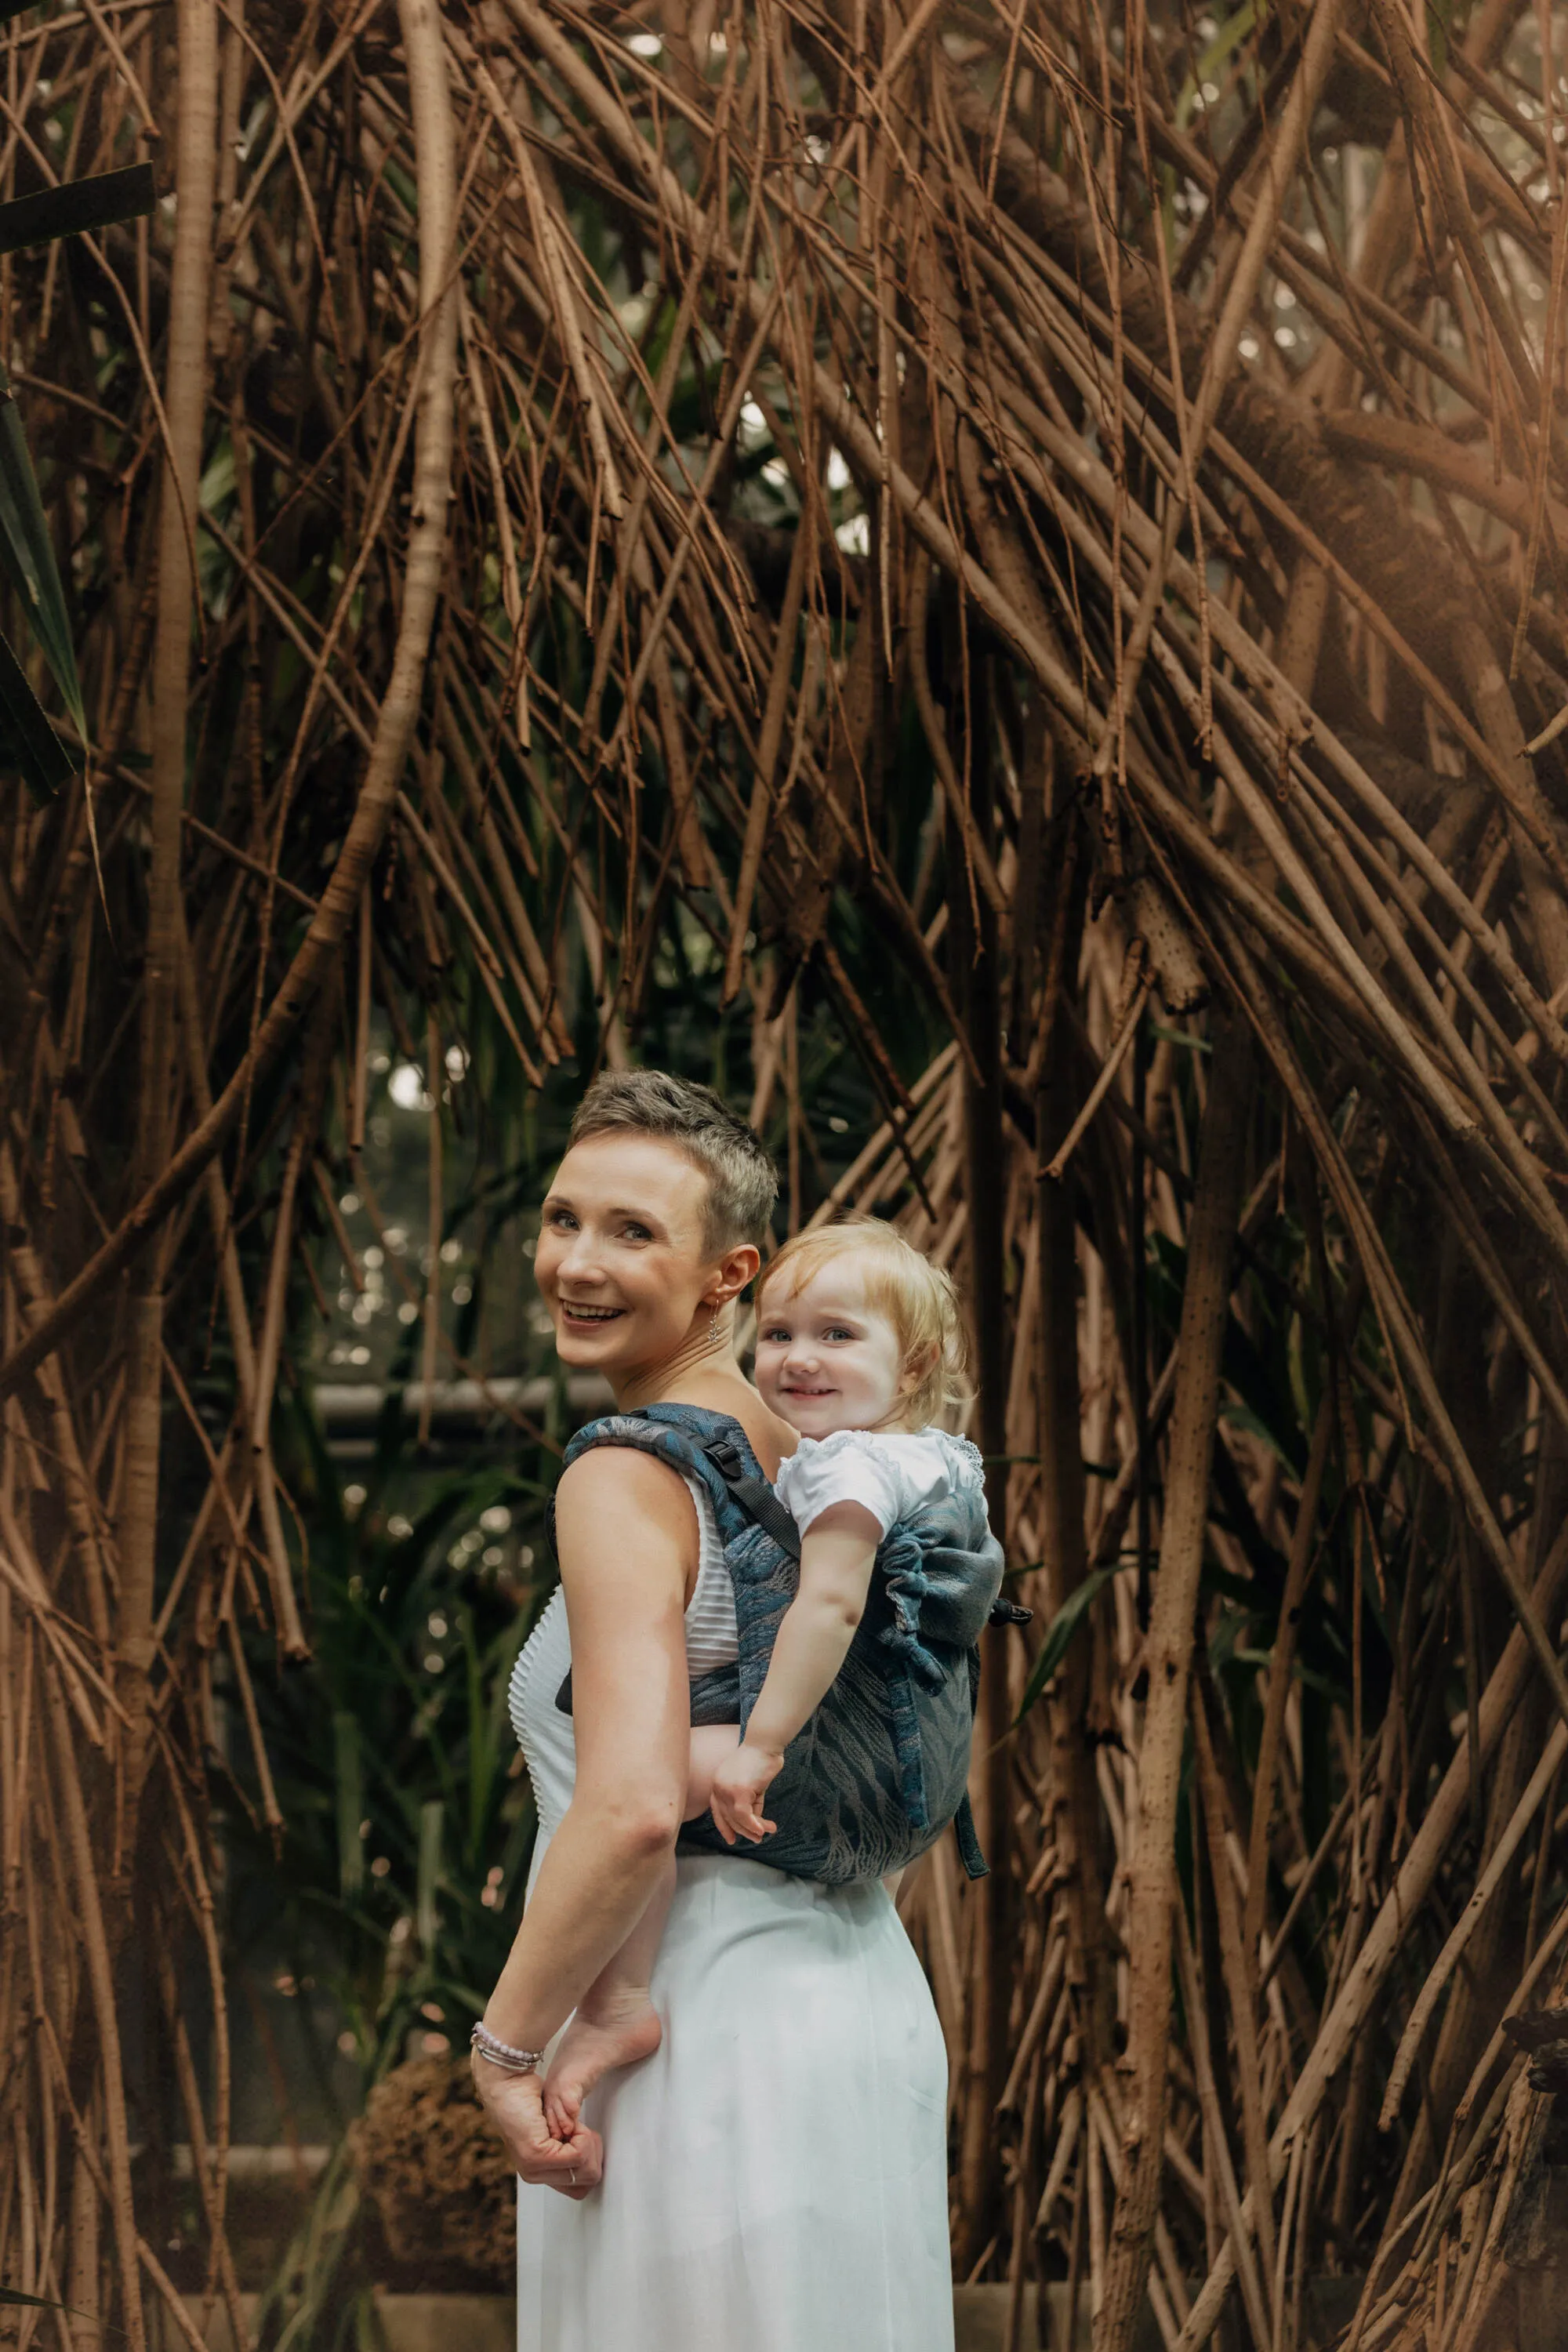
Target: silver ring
{"points": [[572, 2178]]}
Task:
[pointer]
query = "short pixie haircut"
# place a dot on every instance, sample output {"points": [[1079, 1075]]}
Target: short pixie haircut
{"points": [[917, 1298], [743, 1183]]}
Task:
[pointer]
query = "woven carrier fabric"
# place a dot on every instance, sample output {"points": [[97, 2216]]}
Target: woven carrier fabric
{"points": [[883, 1766]]}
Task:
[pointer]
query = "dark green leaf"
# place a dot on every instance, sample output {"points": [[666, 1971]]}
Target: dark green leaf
{"points": [[77, 207], [350, 1802], [27, 743], [1060, 1632], [29, 557]]}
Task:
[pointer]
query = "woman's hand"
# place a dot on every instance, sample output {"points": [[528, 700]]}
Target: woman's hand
{"points": [[515, 2105], [738, 1786]]}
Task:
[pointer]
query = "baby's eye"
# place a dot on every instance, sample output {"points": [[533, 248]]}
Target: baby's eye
{"points": [[837, 1331], [776, 1335]]}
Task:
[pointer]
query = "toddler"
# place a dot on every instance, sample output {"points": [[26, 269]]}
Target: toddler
{"points": [[858, 1345]]}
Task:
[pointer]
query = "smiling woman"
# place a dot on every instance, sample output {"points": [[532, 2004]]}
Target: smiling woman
{"points": [[638, 1264], [700, 2205], [625, 1264]]}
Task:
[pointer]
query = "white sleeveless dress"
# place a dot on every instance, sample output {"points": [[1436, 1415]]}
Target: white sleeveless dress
{"points": [[775, 2176]]}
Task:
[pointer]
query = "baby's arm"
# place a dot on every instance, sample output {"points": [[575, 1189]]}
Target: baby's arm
{"points": [[813, 1641]]}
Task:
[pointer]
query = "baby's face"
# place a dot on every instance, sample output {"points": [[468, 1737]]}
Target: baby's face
{"points": [[826, 1359]]}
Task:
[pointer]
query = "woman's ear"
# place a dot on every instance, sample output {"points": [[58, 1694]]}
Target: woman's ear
{"points": [[737, 1267]]}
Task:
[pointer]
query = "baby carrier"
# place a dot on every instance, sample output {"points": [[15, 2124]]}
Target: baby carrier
{"points": [[883, 1766]]}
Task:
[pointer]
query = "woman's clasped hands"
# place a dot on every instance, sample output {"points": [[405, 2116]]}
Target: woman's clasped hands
{"points": [[515, 2105]]}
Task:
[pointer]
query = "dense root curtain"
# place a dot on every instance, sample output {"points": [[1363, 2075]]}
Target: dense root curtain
{"points": [[995, 569]]}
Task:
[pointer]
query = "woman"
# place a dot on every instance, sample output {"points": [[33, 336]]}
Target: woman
{"points": [[772, 2176]]}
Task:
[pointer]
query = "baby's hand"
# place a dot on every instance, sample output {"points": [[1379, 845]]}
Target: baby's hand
{"points": [[738, 1786]]}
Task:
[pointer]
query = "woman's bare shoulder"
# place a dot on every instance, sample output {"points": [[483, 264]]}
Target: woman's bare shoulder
{"points": [[620, 1513], [613, 1493]]}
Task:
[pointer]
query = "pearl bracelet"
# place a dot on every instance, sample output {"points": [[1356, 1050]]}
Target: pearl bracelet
{"points": [[502, 2053]]}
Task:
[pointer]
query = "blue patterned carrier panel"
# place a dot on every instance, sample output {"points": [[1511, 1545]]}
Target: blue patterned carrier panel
{"points": [[882, 1767]]}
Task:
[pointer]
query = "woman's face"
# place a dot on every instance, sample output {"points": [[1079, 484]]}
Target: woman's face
{"points": [[825, 1359], [623, 1263]]}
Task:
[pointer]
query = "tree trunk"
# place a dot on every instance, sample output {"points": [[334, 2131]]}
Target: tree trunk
{"points": [[977, 981], [185, 402], [1206, 1302], [1074, 1786]]}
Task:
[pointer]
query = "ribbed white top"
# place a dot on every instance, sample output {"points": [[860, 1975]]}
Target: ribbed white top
{"points": [[545, 1734], [710, 1636]]}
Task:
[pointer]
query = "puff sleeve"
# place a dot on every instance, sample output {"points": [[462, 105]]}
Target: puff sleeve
{"points": [[847, 1468]]}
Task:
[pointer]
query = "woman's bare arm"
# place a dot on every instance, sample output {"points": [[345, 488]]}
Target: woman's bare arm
{"points": [[625, 1532]]}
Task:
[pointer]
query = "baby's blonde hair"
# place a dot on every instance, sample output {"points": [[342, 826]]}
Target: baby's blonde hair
{"points": [[917, 1298]]}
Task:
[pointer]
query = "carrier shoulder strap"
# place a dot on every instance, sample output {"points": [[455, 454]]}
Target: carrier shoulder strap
{"points": [[723, 1455], [753, 1495]]}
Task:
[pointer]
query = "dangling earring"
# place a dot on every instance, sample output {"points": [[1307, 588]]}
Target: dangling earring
{"points": [[714, 1327]]}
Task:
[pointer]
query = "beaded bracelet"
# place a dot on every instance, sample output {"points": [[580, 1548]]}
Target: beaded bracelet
{"points": [[502, 2053]]}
